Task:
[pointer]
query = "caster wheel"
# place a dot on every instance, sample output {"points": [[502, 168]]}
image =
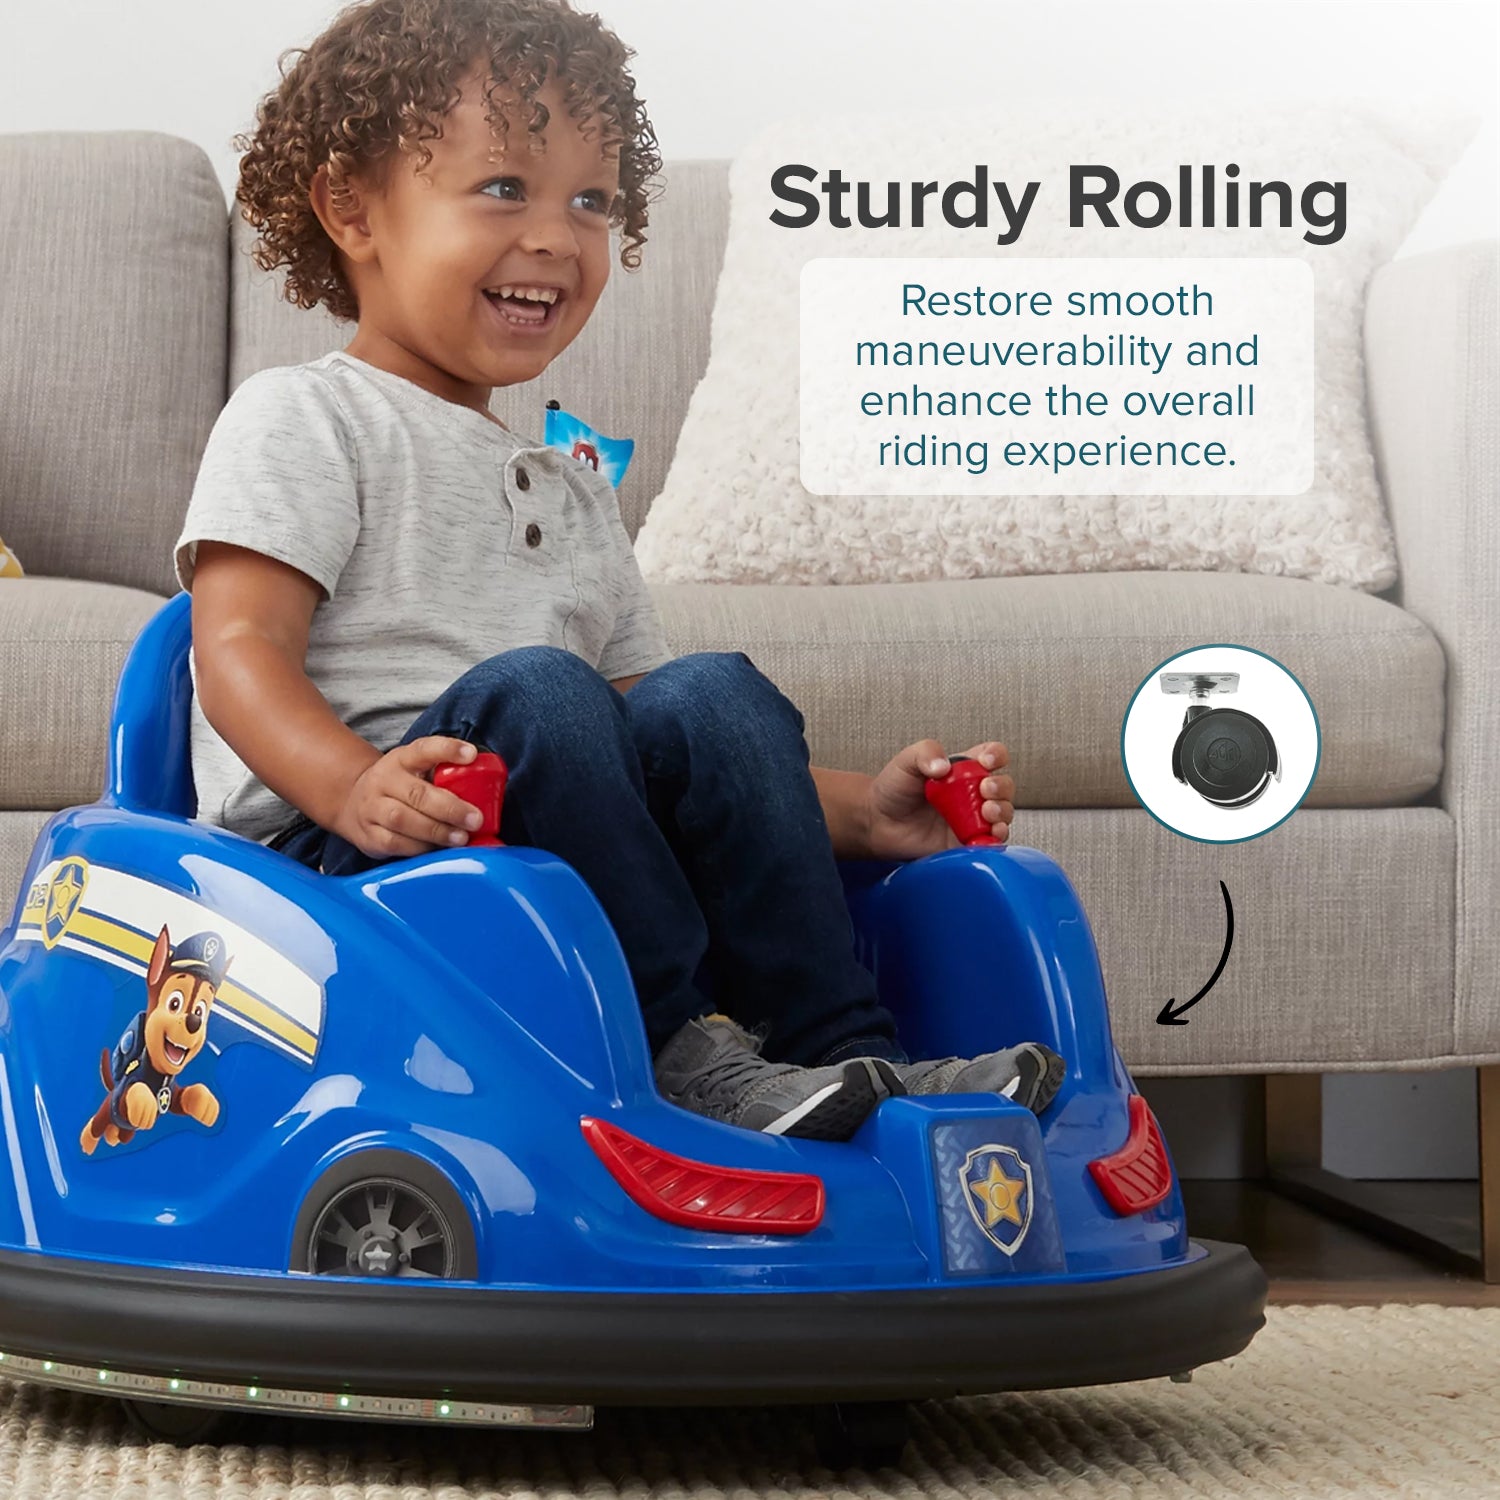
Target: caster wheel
{"points": [[172, 1422], [1227, 756], [863, 1434], [1224, 754]]}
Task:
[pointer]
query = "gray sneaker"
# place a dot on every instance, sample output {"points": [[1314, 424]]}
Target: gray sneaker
{"points": [[1031, 1074], [713, 1067]]}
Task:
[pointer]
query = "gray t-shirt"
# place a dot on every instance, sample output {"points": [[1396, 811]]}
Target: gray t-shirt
{"points": [[439, 538]]}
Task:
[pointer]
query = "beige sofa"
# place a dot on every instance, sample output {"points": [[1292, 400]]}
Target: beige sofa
{"points": [[1367, 932]]}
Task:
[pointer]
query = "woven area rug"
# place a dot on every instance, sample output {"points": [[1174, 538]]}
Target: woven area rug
{"points": [[1327, 1402]]}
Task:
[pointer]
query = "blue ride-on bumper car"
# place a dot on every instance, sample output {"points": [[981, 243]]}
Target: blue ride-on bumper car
{"points": [[389, 1145]]}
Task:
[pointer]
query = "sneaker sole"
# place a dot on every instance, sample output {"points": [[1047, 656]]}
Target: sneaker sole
{"points": [[836, 1112], [1049, 1080]]}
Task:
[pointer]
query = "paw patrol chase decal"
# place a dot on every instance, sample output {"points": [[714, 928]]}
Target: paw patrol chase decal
{"points": [[1000, 1196], [140, 1075], [191, 1007]]}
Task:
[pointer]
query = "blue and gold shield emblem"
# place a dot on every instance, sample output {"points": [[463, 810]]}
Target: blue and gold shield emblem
{"points": [[994, 1195], [64, 895], [997, 1188]]}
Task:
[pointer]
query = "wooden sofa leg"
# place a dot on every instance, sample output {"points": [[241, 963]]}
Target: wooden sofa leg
{"points": [[1294, 1121], [1489, 1171]]}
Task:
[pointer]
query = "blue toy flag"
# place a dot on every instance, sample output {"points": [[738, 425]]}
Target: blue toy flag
{"points": [[610, 456]]}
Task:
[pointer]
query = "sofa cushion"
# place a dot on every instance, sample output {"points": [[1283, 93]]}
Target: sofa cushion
{"points": [[1049, 665], [62, 644], [115, 248]]}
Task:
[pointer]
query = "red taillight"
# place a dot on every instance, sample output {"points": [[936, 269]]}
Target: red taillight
{"points": [[729, 1199], [1139, 1175]]}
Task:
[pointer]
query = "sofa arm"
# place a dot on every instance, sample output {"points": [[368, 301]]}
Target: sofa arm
{"points": [[1432, 355]]}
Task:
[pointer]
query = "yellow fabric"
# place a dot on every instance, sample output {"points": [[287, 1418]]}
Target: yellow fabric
{"points": [[10, 564]]}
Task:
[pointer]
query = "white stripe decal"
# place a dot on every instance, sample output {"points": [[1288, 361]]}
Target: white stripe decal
{"points": [[221, 1014], [279, 1003]]}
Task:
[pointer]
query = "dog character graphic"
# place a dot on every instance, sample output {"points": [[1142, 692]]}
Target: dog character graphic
{"points": [[141, 1073]]}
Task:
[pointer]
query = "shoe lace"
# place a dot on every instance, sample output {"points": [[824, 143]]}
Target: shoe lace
{"points": [[729, 1072]]}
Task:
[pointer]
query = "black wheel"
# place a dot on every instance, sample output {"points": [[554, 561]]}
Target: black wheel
{"points": [[1226, 755], [864, 1434], [380, 1227], [173, 1422], [383, 1213]]}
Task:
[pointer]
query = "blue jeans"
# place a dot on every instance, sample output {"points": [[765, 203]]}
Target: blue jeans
{"points": [[688, 808]]}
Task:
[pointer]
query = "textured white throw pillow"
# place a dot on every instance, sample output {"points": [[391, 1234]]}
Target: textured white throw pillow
{"points": [[733, 508]]}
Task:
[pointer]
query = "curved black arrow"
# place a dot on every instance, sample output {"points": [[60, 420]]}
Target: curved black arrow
{"points": [[1169, 1017]]}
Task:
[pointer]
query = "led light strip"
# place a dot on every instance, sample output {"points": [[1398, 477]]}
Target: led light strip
{"points": [[436, 1409]]}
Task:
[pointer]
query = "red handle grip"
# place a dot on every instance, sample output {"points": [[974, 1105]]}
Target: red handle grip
{"points": [[956, 796], [482, 782]]}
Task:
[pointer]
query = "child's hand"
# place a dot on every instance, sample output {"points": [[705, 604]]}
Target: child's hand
{"points": [[393, 810], [902, 824]]}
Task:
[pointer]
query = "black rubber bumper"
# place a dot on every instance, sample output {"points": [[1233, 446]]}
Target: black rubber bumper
{"points": [[626, 1348]]}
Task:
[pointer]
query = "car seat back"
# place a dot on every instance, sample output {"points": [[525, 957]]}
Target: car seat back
{"points": [[148, 766]]}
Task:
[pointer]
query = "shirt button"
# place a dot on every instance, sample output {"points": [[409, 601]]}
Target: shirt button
{"points": [[523, 480], [533, 535]]}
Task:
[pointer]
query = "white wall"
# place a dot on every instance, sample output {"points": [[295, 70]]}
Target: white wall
{"points": [[710, 72]]}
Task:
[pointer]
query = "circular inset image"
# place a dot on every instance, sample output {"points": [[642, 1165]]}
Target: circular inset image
{"points": [[1220, 743]]}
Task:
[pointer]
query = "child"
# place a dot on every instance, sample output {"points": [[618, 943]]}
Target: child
{"points": [[385, 577]]}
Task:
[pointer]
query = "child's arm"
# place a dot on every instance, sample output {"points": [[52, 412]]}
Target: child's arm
{"points": [[251, 619]]}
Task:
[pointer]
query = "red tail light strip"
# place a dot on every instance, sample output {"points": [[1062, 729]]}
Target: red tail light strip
{"points": [[1139, 1175], [731, 1200]]}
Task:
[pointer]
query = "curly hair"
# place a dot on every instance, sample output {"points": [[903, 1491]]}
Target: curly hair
{"points": [[378, 82]]}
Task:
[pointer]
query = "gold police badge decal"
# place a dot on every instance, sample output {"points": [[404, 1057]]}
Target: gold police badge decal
{"points": [[63, 897], [997, 1188]]}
